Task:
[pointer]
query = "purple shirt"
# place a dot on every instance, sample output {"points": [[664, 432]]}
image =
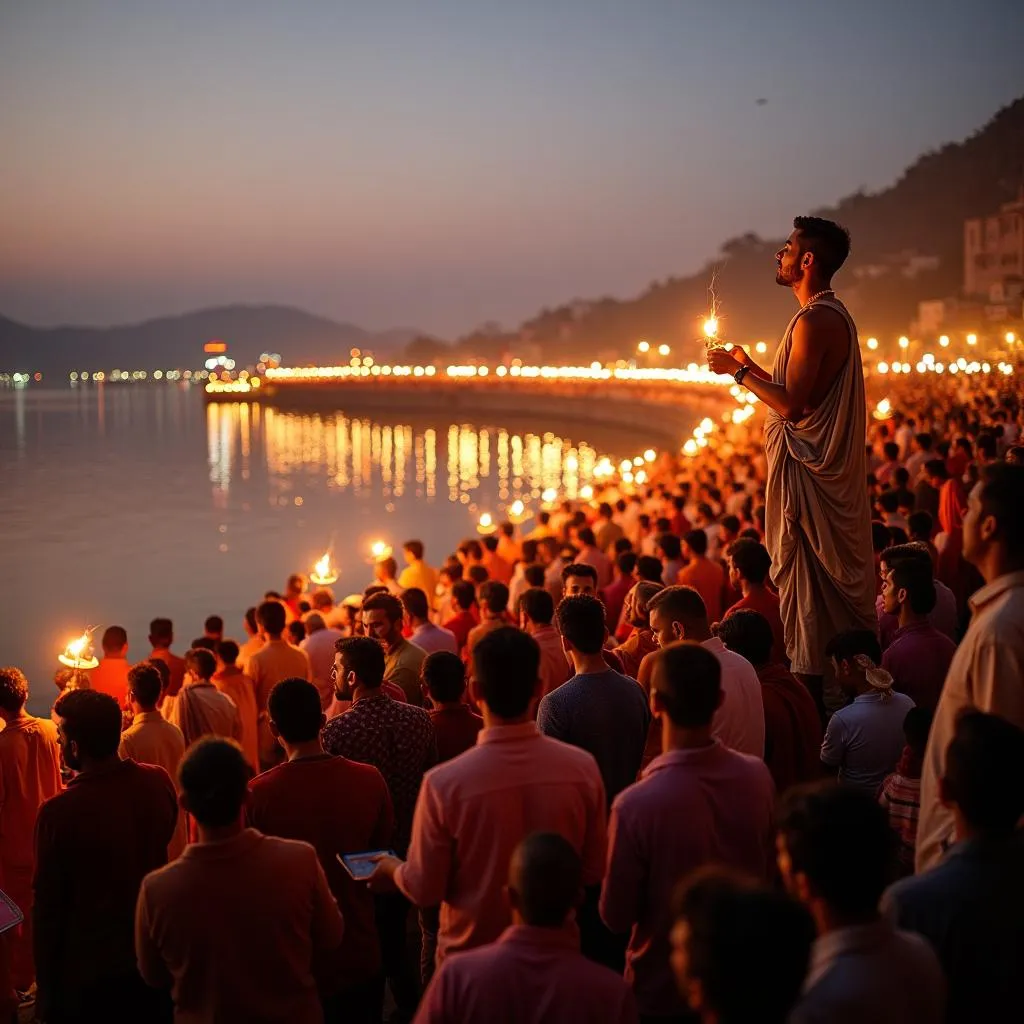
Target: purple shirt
{"points": [[943, 616], [690, 808], [918, 659], [431, 638], [528, 974]]}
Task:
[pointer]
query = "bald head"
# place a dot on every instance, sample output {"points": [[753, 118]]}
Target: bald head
{"points": [[545, 880]]}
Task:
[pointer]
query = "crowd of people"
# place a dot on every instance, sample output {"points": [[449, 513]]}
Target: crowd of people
{"points": [[569, 775]]}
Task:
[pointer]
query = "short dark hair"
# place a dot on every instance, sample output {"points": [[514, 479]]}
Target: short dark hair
{"points": [[585, 535], [672, 549], [506, 663], [1002, 497], [914, 551], [921, 524], [529, 550], [626, 562], [827, 241], [579, 569], [364, 656], [415, 603], [294, 707], [471, 548], [747, 945], [649, 568], [983, 774], [688, 678], [250, 618], [681, 604], [386, 603], [145, 683], [924, 439], [115, 638], [494, 596], [845, 646], [538, 606], [534, 574], [881, 538], [839, 837], [227, 651], [919, 583], [415, 548], [748, 634], [205, 643], [214, 778], [13, 689], [917, 724], [445, 676], [453, 570], [161, 631], [201, 661], [297, 630], [936, 467], [477, 574], [92, 720], [213, 624], [464, 593], [271, 617], [986, 445], [751, 560], [581, 621], [388, 566], [490, 543], [164, 669], [889, 501], [550, 878]]}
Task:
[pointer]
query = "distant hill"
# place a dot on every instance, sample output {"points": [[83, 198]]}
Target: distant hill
{"points": [[177, 341], [907, 247]]}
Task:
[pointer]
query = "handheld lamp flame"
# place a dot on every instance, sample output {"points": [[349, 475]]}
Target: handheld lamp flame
{"points": [[324, 574], [883, 410], [379, 551], [78, 653], [517, 512], [485, 524]]}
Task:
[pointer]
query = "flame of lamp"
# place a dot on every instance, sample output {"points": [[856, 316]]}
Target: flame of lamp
{"points": [[78, 654], [379, 551], [323, 573], [485, 525]]}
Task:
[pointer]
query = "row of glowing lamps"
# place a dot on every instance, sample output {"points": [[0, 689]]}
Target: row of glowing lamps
{"points": [[928, 364], [1009, 337]]}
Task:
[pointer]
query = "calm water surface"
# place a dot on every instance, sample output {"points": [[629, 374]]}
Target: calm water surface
{"points": [[120, 504]]}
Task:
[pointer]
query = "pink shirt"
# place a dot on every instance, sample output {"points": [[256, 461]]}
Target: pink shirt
{"points": [[529, 974], [554, 666], [739, 721], [691, 807], [593, 557], [474, 810]]}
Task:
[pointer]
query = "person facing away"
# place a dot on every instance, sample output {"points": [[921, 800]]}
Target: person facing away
{"points": [[792, 727], [161, 636], [339, 807], [740, 950], [474, 810], [274, 661], [200, 709], [231, 681], [678, 613], [598, 710], [864, 740], [590, 554], [919, 656], [493, 598], [151, 739], [318, 645], [704, 575], [456, 726], [94, 843], [237, 926], [613, 597], [29, 776], [834, 854], [253, 639], [749, 566], [900, 794], [818, 514], [422, 632], [462, 620], [534, 970], [970, 907], [382, 616], [697, 803], [637, 616], [988, 667], [417, 574], [536, 613], [111, 674]]}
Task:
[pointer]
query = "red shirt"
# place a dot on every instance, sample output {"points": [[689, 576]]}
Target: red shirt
{"points": [[614, 597], [456, 729], [175, 664], [460, 625], [337, 806], [792, 728], [95, 842], [762, 600]]}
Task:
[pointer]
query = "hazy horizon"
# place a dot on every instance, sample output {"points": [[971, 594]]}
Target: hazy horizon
{"points": [[435, 166]]}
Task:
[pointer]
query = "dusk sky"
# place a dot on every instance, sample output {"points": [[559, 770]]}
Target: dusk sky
{"points": [[437, 163]]}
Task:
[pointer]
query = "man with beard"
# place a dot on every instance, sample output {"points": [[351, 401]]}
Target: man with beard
{"points": [[818, 520]]}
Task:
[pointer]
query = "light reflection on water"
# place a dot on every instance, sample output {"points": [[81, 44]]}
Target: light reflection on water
{"points": [[122, 504]]}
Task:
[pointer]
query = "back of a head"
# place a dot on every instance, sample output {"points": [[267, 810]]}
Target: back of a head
{"points": [[529, 551], [983, 775], [671, 548], [365, 657], [688, 680], [881, 538], [161, 632], [505, 665], [477, 575], [464, 594], [214, 625], [214, 778], [200, 662], [586, 536], [92, 720], [889, 501], [680, 604], [415, 603], [751, 560], [271, 617], [649, 568], [582, 622], [847, 645], [145, 684], [839, 838], [164, 669], [294, 707], [115, 640], [918, 582], [936, 468], [445, 676], [920, 524], [388, 567], [250, 620], [917, 724], [827, 241], [471, 549], [314, 622], [748, 634], [534, 575], [13, 689], [914, 551], [322, 599], [490, 543], [538, 606], [546, 876], [748, 946], [206, 643], [494, 596], [626, 562], [1002, 498], [414, 548]]}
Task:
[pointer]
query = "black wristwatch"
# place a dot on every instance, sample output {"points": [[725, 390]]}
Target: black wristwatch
{"points": [[740, 374]]}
